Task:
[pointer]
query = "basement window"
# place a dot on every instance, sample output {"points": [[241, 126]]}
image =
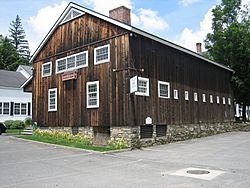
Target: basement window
{"points": [[6, 108], [46, 69], [92, 94], [195, 97], [186, 95], [176, 94], [161, 130], [143, 86], [52, 100], [146, 131], [211, 99], [102, 54], [163, 89], [203, 97]]}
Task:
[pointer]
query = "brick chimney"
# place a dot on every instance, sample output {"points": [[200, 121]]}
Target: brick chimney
{"points": [[198, 47], [121, 14]]}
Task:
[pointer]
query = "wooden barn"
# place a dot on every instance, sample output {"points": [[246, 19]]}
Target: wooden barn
{"points": [[100, 76]]}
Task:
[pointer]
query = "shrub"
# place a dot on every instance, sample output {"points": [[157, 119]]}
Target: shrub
{"points": [[18, 124], [28, 121], [8, 123], [118, 143]]}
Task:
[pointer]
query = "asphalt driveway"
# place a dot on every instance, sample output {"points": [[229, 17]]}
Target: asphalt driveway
{"points": [[224, 159]]}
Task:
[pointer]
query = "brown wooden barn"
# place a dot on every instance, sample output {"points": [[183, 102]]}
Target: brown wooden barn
{"points": [[88, 65]]}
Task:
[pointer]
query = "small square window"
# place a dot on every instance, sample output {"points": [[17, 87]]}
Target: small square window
{"points": [[61, 65], [186, 95], [203, 97], [52, 100], [163, 89], [195, 97], [71, 62], [211, 98], [92, 94], [46, 69], [176, 94], [101, 54], [143, 86]]}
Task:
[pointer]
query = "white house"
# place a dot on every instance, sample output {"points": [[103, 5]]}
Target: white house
{"points": [[15, 104]]}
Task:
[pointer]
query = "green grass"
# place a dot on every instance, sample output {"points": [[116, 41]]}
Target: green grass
{"points": [[67, 143], [13, 131]]}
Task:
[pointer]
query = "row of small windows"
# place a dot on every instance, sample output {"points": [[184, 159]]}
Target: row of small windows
{"points": [[92, 89], [164, 92], [76, 61], [18, 108]]}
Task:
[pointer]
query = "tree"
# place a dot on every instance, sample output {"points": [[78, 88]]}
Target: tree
{"points": [[9, 58], [17, 37], [229, 43]]}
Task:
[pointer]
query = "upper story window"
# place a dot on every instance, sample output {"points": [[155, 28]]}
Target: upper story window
{"points": [[6, 108], [176, 94], [218, 100], [92, 94], [46, 69], [186, 96], [203, 97], [195, 97], [229, 101], [211, 98], [72, 62], [52, 100], [102, 54], [223, 100], [163, 89], [143, 86]]}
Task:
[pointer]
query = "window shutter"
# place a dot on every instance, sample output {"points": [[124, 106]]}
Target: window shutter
{"points": [[29, 109], [11, 108]]}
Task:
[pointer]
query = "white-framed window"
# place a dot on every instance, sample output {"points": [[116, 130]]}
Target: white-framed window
{"points": [[102, 54], [143, 86], [195, 97], [186, 96], [176, 94], [17, 108], [163, 89], [218, 100], [92, 94], [229, 101], [203, 97], [1, 108], [223, 100], [211, 98], [23, 109], [6, 108], [52, 100], [46, 69], [72, 62]]}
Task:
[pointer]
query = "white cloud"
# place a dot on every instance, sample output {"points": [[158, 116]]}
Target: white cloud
{"points": [[188, 38], [41, 23], [186, 3]]}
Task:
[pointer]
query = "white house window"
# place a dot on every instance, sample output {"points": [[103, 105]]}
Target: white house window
{"points": [[92, 94], [176, 94], [6, 108], [163, 89], [23, 109], [186, 95], [218, 100], [223, 100], [211, 98], [195, 97], [143, 86], [102, 54], [1, 108], [17, 108], [46, 69], [72, 62], [229, 102], [203, 97], [52, 99]]}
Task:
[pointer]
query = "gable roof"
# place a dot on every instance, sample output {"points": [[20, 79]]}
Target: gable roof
{"points": [[11, 79], [27, 68], [72, 6]]}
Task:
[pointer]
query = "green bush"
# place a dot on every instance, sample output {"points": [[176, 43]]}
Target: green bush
{"points": [[8, 123], [28, 121]]}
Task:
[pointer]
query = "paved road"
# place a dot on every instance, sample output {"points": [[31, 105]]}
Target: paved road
{"points": [[34, 165]]}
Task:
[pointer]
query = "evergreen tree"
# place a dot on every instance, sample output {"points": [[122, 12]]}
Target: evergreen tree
{"points": [[229, 43], [17, 37]]}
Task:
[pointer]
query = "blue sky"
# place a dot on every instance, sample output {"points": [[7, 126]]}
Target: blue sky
{"points": [[181, 21]]}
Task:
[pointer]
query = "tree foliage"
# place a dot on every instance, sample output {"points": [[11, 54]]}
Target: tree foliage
{"points": [[229, 43], [17, 37]]}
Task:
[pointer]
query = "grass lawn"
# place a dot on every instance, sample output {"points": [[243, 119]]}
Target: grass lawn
{"points": [[67, 143], [13, 131]]}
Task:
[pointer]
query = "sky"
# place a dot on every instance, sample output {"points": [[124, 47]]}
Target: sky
{"points": [[184, 22]]}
